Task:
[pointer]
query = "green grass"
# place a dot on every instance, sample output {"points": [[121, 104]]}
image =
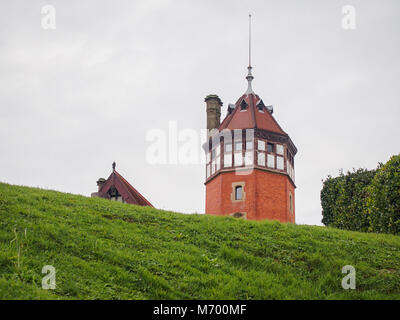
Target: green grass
{"points": [[105, 250]]}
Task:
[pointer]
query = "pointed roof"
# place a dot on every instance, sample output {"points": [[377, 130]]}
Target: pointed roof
{"points": [[129, 193], [249, 111], [247, 115]]}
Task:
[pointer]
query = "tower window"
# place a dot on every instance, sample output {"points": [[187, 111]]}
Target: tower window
{"points": [[208, 156], [243, 105], [218, 165], [238, 146], [279, 149], [290, 203], [280, 163], [248, 158], [217, 150], [238, 159], [213, 154], [260, 106], [270, 147], [249, 145], [228, 160], [261, 145], [261, 159], [238, 193], [228, 147], [271, 161]]}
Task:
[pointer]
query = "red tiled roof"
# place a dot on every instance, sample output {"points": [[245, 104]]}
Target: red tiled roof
{"points": [[136, 194], [251, 117], [129, 193]]}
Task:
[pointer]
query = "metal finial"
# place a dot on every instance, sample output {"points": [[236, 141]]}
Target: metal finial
{"points": [[249, 76], [114, 165], [249, 40]]}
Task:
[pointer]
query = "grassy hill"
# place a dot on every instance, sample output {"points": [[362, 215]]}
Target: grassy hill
{"points": [[104, 250]]}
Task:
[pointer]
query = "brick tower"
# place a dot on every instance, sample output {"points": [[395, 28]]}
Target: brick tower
{"points": [[250, 161]]}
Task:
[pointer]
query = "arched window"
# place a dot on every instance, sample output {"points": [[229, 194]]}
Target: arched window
{"points": [[238, 193], [115, 195]]}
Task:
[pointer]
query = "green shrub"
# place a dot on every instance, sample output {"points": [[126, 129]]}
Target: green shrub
{"points": [[383, 202], [364, 200], [343, 200]]}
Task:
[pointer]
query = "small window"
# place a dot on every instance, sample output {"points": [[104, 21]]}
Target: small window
{"points": [[288, 167], [239, 215], [238, 193], [249, 145], [261, 145], [238, 159], [113, 194], [248, 158], [261, 159], [243, 105], [228, 147], [228, 160], [270, 147], [260, 106], [279, 149], [271, 161], [280, 163], [238, 146], [290, 203], [213, 154]]}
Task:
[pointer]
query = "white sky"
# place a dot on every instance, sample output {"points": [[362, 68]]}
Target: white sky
{"points": [[77, 98]]}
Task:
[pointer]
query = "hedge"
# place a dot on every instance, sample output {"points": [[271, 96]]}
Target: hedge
{"points": [[364, 200], [383, 202]]}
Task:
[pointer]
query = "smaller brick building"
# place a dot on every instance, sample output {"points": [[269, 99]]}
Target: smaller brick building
{"points": [[250, 161], [116, 188]]}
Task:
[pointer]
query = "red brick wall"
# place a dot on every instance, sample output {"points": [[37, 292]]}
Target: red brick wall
{"points": [[266, 196], [213, 196]]}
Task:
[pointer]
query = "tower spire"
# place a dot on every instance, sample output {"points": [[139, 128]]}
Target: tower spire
{"points": [[249, 76]]}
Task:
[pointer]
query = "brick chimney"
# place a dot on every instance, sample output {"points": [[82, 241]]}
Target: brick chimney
{"points": [[214, 104]]}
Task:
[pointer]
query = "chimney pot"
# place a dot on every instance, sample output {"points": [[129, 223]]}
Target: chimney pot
{"points": [[100, 183], [214, 104]]}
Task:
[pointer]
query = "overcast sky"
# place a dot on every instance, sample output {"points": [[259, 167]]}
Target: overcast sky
{"points": [[76, 98]]}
